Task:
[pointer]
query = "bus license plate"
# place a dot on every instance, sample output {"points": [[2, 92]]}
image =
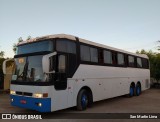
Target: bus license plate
{"points": [[23, 101]]}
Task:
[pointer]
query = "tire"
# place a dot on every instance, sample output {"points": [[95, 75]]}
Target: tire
{"points": [[138, 90], [82, 100], [131, 91]]}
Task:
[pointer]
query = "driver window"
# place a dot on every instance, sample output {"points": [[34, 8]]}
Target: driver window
{"points": [[62, 64]]}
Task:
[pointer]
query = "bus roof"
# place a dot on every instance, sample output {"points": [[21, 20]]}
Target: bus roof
{"points": [[71, 37]]}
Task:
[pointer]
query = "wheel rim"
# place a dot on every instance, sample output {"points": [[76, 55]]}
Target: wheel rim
{"points": [[84, 101], [131, 91]]}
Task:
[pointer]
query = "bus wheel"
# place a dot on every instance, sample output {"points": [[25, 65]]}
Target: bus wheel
{"points": [[138, 90], [131, 92], [82, 100]]}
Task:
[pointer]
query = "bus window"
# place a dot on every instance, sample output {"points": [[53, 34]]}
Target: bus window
{"points": [[120, 59], [107, 57], [85, 53], [94, 54], [130, 61], [145, 63], [139, 62], [64, 45], [60, 82], [61, 64]]}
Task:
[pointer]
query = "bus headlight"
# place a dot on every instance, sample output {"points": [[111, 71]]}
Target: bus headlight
{"points": [[40, 95], [12, 92]]}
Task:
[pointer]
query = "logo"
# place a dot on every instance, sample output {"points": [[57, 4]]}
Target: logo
{"points": [[6, 116], [21, 116]]}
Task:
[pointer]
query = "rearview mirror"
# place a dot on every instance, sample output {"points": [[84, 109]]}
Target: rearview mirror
{"points": [[5, 66], [46, 62]]}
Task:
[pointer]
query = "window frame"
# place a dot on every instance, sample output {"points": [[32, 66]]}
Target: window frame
{"points": [[133, 62], [124, 57], [114, 53], [137, 62], [146, 66], [112, 56], [89, 62]]}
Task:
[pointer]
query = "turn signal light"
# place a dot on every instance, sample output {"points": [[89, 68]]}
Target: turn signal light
{"points": [[12, 92]]}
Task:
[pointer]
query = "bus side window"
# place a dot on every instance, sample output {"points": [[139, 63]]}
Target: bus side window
{"points": [[120, 59], [62, 64], [60, 76], [145, 63], [65, 45], [139, 62], [131, 61], [108, 57]]}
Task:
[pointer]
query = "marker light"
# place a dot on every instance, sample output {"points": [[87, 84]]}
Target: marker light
{"points": [[12, 92]]}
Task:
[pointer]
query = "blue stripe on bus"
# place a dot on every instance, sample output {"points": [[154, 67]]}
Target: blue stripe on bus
{"points": [[31, 103]]}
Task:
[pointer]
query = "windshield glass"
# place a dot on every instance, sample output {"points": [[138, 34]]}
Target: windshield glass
{"points": [[29, 69]]}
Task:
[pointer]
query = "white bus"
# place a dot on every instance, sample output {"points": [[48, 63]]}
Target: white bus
{"points": [[60, 71]]}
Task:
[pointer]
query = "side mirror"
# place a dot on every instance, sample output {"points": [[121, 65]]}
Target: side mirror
{"points": [[5, 66], [46, 62]]}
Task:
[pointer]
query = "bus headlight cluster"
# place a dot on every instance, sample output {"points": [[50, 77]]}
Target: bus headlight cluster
{"points": [[40, 95], [12, 92]]}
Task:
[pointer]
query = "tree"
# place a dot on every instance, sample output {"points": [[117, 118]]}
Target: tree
{"points": [[1, 72], [15, 45], [154, 59], [158, 46], [19, 40], [29, 37], [1, 54]]}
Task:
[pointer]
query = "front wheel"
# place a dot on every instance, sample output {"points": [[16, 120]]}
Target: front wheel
{"points": [[82, 100]]}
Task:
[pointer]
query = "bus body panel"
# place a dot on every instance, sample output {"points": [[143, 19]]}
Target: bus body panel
{"points": [[107, 82], [104, 82]]}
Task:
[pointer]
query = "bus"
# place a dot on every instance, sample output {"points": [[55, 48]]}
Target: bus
{"points": [[55, 72]]}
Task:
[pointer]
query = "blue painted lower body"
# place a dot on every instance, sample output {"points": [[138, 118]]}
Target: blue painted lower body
{"points": [[31, 103]]}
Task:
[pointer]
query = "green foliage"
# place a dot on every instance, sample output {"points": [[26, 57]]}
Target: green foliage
{"points": [[1, 54], [19, 40], [15, 44], [154, 59], [158, 46], [1, 62]]}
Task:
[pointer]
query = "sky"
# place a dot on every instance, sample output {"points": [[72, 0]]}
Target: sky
{"points": [[125, 24]]}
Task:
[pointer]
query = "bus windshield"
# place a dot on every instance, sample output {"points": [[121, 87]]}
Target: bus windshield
{"points": [[29, 69]]}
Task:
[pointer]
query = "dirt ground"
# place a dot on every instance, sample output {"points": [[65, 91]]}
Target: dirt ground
{"points": [[147, 102]]}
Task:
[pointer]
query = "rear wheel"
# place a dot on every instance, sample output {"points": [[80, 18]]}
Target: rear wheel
{"points": [[82, 100], [138, 90]]}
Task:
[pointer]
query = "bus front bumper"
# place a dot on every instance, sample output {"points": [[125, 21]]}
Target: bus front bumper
{"points": [[38, 104]]}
